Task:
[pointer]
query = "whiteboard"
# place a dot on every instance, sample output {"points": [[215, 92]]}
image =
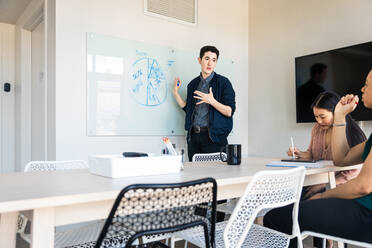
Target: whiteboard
{"points": [[129, 86]]}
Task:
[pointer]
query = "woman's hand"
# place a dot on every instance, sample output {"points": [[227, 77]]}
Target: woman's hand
{"points": [[347, 104], [294, 150]]}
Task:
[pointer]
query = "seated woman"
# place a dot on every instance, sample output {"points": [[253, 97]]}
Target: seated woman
{"points": [[345, 211], [320, 144]]}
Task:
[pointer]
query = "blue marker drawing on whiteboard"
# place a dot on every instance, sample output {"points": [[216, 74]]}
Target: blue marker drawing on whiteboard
{"points": [[148, 80], [139, 53]]}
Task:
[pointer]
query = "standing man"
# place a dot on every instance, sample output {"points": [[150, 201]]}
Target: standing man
{"points": [[209, 106]]}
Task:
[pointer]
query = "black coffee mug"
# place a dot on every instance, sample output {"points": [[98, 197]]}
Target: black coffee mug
{"points": [[233, 152]]}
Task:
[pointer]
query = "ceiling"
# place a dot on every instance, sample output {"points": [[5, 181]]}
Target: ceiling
{"points": [[10, 10]]}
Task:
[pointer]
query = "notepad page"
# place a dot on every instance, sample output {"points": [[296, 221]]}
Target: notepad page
{"points": [[319, 164]]}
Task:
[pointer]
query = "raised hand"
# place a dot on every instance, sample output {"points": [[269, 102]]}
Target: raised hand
{"points": [[177, 85], [204, 97], [347, 104]]}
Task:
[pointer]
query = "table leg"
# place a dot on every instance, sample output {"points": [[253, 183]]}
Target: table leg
{"points": [[332, 180], [42, 229], [332, 185], [8, 225]]}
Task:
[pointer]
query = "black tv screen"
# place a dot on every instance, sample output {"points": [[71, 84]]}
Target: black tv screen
{"points": [[340, 70]]}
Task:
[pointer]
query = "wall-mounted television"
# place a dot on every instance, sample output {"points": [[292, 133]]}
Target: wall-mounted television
{"points": [[341, 70]]}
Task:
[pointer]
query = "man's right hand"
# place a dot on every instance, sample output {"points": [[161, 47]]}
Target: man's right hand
{"points": [[176, 86], [347, 104]]}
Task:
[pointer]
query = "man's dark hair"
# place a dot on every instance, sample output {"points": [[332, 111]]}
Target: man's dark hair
{"points": [[205, 49], [317, 68]]}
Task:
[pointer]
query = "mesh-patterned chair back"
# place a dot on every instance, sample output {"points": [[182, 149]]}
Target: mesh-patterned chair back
{"points": [[200, 157], [55, 165], [267, 189], [147, 209]]}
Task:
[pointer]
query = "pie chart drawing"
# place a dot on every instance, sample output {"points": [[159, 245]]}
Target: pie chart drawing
{"points": [[148, 82]]}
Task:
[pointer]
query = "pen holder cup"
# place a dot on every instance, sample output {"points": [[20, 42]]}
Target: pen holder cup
{"points": [[182, 153]]}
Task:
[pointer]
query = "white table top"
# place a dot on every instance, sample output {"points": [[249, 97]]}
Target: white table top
{"points": [[23, 191]]}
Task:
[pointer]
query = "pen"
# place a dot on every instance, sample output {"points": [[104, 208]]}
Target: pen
{"points": [[178, 83], [293, 154]]}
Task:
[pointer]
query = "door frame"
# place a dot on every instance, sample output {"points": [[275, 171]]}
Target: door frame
{"points": [[33, 15]]}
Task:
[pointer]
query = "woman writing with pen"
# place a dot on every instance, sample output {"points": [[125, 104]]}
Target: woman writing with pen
{"points": [[344, 211], [320, 144]]}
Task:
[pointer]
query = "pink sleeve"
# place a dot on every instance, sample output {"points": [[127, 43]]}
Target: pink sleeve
{"points": [[311, 145]]}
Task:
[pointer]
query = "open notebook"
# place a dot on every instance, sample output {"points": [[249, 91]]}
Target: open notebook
{"points": [[318, 164]]}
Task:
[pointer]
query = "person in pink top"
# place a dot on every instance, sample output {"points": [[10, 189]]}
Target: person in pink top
{"points": [[320, 143]]}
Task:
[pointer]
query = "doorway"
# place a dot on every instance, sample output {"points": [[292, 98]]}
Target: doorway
{"points": [[38, 93]]}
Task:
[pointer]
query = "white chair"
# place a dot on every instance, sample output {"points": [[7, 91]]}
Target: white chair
{"points": [[71, 236], [227, 207], [267, 189], [55, 165], [201, 157], [198, 157], [345, 241]]}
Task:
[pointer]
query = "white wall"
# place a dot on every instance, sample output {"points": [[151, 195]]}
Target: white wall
{"points": [[279, 31], [221, 23]]}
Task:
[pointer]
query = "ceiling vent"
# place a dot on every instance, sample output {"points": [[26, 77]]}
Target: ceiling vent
{"points": [[184, 11]]}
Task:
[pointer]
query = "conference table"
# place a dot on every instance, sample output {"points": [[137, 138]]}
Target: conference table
{"points": [[73, 196]]}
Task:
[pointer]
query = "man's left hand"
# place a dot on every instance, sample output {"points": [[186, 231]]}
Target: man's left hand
{"points": [[204, 97]]}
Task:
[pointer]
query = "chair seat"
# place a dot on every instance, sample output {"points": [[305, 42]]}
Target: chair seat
{"points": [[343, 240], [81, 235], [118, 242], [86, 236], [73, 236], [258, 237], [227, 207]]}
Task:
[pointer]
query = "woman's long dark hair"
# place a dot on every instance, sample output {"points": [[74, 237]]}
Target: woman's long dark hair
{"points": [[328, 100]]}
